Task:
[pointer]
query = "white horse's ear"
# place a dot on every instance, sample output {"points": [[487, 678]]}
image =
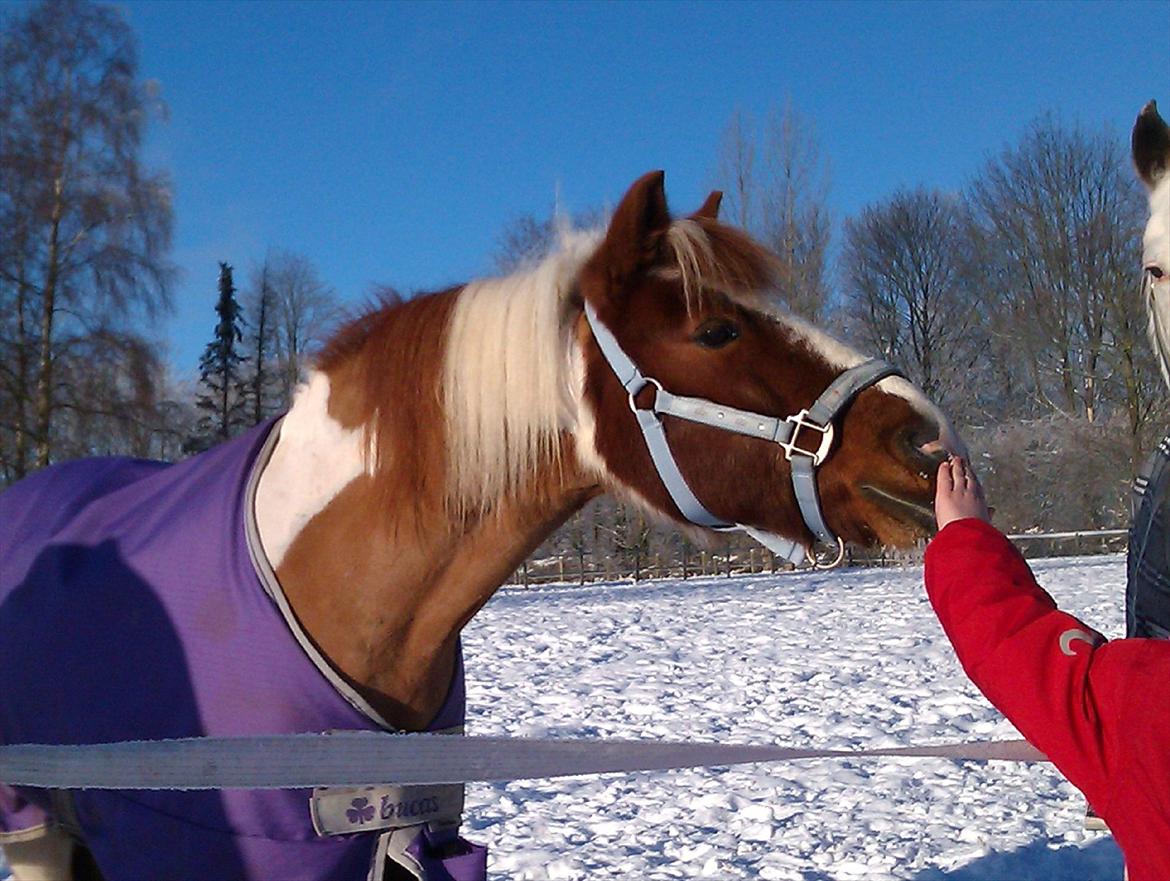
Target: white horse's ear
{"points": [[1151, 145]]}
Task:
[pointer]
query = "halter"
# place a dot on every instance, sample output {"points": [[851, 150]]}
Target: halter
{"points": [[816, 419]]}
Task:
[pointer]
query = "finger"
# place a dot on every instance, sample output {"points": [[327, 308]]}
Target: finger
{"points": [[976, 485], [960, 474], [946, 481]]}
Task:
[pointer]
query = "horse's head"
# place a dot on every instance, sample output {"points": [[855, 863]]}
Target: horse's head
{"points": [[1151, 156], [682, 303]]}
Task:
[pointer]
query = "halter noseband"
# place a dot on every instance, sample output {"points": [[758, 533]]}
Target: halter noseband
{"points": [[817, 418]]}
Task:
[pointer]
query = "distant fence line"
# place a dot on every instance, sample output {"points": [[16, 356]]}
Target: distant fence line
{"points": [[694, 563]]}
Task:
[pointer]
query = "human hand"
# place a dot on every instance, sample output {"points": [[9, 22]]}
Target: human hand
{"points": [[958, 494]]}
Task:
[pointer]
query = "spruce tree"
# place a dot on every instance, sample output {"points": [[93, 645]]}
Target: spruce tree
{"points": [[223, 398]]}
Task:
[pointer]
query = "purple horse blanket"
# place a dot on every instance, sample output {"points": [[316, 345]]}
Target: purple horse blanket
{"points": [[135, 603]]}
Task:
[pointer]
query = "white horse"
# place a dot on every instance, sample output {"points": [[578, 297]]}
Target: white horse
{"points": [[1151, 156]]}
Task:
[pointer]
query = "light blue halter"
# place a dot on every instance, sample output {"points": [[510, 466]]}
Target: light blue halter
{"points": [[819, 417]]}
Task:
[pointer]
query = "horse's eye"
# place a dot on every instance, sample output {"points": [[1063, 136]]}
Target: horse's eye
{"points": [[716, 334], [1155, 272]]}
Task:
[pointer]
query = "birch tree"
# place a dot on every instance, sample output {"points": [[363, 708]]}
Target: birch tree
{"points": [[88, 226]]}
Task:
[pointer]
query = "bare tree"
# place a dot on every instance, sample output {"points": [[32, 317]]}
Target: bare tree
{"points": [[902, 265], [1055, 251], [775, 186], [797, 222], [261, 344], [108, 392], [523, 241], [90, 225], [1056, 232], [735, 172], [306, 309], [1056, 471], [527, 238]]}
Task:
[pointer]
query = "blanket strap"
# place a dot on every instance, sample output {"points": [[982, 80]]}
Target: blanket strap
{"points": [[361, 759]]}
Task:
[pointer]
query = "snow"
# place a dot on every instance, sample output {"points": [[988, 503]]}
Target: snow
{"points": [[840, 659]]}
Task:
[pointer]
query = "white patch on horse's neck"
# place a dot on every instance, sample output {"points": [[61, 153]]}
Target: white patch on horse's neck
{"points": [[590, 460], [585, 424], [314, 459]]}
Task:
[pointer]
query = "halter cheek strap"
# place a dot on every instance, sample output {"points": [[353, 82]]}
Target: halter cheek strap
{"points": [[817, 419]]}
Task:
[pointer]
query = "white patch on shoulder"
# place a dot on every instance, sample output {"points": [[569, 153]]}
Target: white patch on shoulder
{"points": [[314, 459]]}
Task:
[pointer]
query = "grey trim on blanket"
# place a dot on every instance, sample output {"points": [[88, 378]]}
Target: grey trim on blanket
{"points": [[272, 587], [19, 836], [448, 796]]}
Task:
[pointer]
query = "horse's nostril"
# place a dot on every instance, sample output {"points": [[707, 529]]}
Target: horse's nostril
{"points": [[925, 450], [934, 453]]}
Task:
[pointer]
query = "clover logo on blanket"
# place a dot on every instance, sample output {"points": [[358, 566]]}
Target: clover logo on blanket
{"points": [[360, 811]]}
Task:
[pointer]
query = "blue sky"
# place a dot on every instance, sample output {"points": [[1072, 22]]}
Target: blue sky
{"points": [[392, 142]]}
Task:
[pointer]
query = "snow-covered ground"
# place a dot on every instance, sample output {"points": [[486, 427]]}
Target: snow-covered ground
{"points": [[841, 659]]}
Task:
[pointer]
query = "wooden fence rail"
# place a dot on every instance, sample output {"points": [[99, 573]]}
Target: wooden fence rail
{"points": [[699, 563]]}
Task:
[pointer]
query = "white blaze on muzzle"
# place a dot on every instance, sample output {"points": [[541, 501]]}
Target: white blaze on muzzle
{"points": [[788, 433]]}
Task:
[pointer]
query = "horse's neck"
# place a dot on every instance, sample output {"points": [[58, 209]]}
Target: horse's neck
{"points": [[384, 594]]}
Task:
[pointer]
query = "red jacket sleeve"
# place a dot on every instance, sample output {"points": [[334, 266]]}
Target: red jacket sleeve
{"points": [[1032, 661]]}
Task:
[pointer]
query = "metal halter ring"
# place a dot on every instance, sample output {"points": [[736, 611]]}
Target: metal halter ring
{"points": [[817, 561], [646, 380]]}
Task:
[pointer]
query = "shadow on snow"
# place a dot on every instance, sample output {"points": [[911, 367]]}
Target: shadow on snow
{"points": [[1038, 861]]}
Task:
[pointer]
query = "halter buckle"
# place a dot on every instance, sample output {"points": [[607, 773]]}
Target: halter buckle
{"points": [[799, 421]]}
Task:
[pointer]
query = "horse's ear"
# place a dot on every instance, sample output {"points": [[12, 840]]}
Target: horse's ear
{"points": [[710, 208], [1151, 145], [633, 241]]}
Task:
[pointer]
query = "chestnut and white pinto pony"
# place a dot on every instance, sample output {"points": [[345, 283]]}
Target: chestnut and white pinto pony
{"points": [[1151, 156], [440, 440]]}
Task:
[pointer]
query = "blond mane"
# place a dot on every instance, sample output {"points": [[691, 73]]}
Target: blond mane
{"points": [[509, 380]]}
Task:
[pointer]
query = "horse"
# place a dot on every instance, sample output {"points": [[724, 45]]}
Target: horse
{"points": [[434, 444], [1147, 604]]}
